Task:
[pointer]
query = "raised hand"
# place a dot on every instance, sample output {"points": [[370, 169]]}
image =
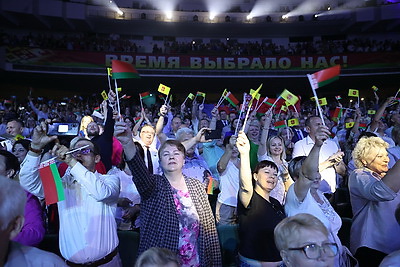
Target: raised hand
{"points": [[242, 143], [39, 136], [321, 135], [200, 136]]}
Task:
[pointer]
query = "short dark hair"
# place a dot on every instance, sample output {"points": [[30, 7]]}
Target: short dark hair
{"points": [[263, 164], [23, 142], [17, 120], [157, 257], [11, 161], [172, 142], [308, 120]]}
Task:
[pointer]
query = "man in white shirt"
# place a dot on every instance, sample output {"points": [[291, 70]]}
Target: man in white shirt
{"points": [[88, 231], [148, 142], [330, 155]]}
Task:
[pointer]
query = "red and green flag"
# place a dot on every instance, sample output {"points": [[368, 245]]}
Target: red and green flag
{"points": [[51, 181], [270, 101], [280, 124], [232, 100], [324, 77], [144, 95], [338, 97], [136, 119], [211, 185], [201, 94], [362, 126], [123, 70], [337, 114]]}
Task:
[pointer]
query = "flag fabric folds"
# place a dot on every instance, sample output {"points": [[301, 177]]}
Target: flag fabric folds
{"points": [[289, 97], [201, 94], [123, 70], [232, 100], [144, 95], [280, 124], [164, 89], [324, 77], [51, 180]]}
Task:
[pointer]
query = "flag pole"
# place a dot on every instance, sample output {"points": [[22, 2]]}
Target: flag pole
{"points": [[116, 95], [316, 98], [141, 102], [240, 113], [395, 96], [273, 105], [247, 114]]}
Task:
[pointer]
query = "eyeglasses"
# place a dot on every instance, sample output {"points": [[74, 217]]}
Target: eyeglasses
{"points": [[313, 251], [85, 151]]}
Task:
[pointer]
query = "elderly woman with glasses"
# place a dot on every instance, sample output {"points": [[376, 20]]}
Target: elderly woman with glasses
{"points": [[303, 240], [374, 196]]}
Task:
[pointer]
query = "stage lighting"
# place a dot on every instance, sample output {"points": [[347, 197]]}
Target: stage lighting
{"points": [[315, 17], [120, 13], [249, 17]]}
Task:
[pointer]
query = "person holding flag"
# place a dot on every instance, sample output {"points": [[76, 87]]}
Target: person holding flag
{"points": [[88, 230], [329, 156]]}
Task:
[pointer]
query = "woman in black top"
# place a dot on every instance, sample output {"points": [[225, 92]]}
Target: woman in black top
{"points": [[258, 212]]}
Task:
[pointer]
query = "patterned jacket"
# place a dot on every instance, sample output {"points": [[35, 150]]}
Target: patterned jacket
{"points": [[159, 219]]}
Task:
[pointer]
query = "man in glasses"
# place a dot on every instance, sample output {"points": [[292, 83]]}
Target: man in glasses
{"points": [[88, 231], [303, 240]]}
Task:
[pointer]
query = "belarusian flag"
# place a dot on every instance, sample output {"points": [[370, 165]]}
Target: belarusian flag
{"points": [[289, 97], [353, 92], [201, 94], [51, 181], [164, 89], [338, 97], [232, 100], [136, 119], [144, 95], [293, 122], [123, 70], [269, 101], [324, 77], [362, 126], [280, 124], [337, 114], [374, 88]]}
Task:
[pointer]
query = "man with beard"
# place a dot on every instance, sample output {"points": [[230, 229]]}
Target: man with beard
{"points": [[105, 139]]}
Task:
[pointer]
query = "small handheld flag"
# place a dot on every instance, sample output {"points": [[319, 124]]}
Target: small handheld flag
{"points": [[280, 124], [353, 92], [51, 181], [338, 97], [293, 122], [144, 95], [324, 77], [322, 101], [349, 125], [164, 89], [371, 112], [104, 95], [375, 88], [289, 97]]}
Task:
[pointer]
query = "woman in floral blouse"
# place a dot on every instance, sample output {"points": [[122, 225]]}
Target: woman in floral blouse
{"points": [[175, 211]]}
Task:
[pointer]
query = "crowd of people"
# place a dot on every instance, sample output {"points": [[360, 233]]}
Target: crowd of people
{"points": [[121, 43], [176, 173]]}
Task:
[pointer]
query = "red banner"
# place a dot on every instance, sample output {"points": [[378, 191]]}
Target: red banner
{"points": [[48, 57]]}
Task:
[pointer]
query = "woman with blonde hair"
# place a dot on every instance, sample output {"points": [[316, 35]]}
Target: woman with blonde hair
{"points": [[273, 149], [84, 123], [374, 196]]}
